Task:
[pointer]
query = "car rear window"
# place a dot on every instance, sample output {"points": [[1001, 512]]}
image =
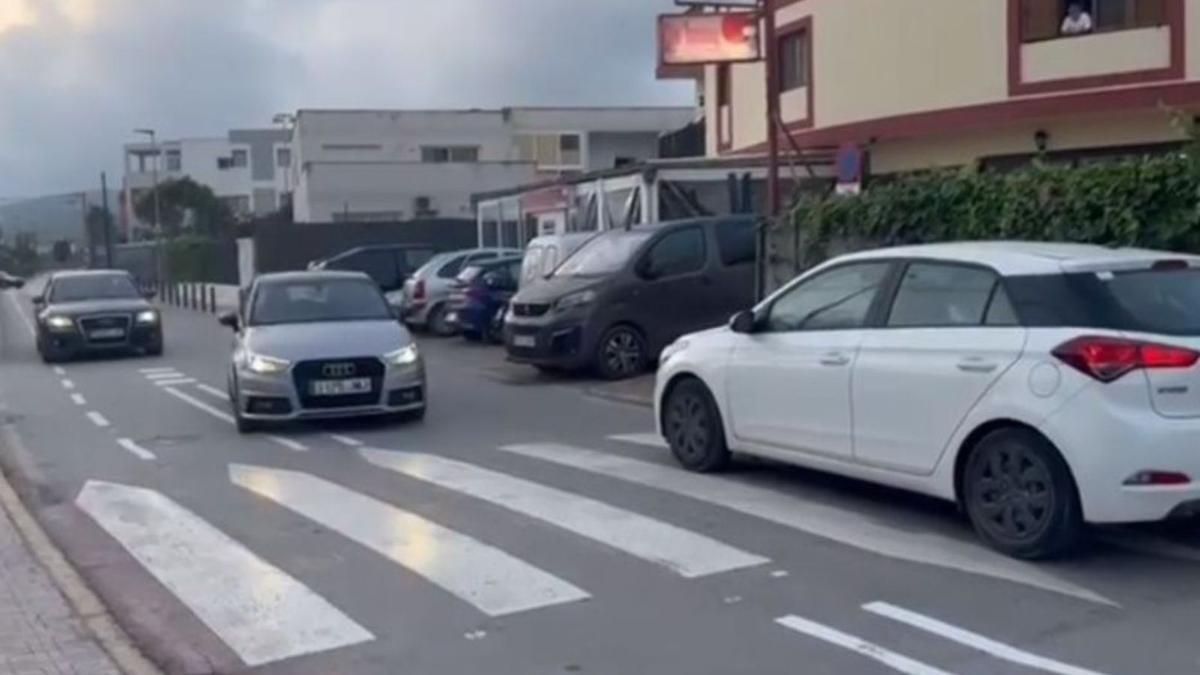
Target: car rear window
{"points": [[1156, 301]]}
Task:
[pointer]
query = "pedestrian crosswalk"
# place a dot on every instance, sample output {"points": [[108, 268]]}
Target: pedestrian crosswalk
{"points": [[264, 614]]}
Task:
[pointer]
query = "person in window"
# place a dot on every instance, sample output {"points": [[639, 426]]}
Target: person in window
{"points": [[1077, 21]]}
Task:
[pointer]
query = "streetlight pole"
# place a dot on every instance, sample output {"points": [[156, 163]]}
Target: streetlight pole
{"points": [[774, 198], [160, 253]]}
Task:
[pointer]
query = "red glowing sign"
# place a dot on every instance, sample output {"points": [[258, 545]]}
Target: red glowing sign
{"points": [[693, 39]]}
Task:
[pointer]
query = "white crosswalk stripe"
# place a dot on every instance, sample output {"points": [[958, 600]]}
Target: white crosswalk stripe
{"points": [[493, 581], [897, 662], [846, 526], [259, 611], [649, 440], [152, 371], [164, 375], [175, 382], [684, 552], [975, 640]]}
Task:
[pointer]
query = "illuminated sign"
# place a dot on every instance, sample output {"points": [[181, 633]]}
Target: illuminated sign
{"points": [[692, 39]]}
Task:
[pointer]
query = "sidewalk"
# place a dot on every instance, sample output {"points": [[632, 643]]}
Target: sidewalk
{"points": [[39, 632]]}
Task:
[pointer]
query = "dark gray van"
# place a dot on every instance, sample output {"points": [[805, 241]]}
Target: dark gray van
{"points": [[618, 300]]}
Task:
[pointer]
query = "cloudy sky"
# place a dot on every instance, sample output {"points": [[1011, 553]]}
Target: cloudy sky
{"points": [[77, 75]]}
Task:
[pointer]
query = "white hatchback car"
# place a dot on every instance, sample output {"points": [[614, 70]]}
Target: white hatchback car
{"points": [[1040, 386]]}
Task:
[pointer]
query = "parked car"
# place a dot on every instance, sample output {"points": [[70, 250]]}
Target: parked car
{"points": [[480, 294], [319, 345], [388, 265], [425, 294], [1039, 386], [545, 253], [626, 294], [8, 281], [89, 311]]}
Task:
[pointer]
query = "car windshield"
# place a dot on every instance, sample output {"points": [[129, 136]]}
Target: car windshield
{"points": [[603, 255], [1157, 301], [92, 287], [318, 300]]}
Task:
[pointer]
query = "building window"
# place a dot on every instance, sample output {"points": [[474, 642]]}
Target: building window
{"points": [[1049, 19], [283, 157], [174, 160], [551, 150], [793, 61], [449, 154], [239, 205], [239, 158], [724, 85]]}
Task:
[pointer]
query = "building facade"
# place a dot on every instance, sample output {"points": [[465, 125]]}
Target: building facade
{"points": [[958, 82], [387, 165], [247, 169]]}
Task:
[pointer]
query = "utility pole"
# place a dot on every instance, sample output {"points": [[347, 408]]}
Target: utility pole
{"points": [[774, 198], [108, 243], [87, 229], [160, 251]]}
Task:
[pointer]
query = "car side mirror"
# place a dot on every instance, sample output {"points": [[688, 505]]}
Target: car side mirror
{"points": [[39, 301], [743, 322], [149, 294], [229, 319], [646, 270]]}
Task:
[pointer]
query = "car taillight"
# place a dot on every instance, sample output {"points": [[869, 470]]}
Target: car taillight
{"points": [[1108, 359], [419, 290]]}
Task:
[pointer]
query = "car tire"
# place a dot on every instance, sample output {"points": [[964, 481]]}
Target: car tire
{"points": [[472, 336], [621, 353], [436, 322], [411, 416], [1020, 496], [694, 429], [156, 350]]}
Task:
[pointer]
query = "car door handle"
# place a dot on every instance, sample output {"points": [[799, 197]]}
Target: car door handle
{"points": [[835, 359], [976, 366]]}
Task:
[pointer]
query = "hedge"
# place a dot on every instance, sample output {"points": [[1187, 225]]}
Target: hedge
{"points": [[1152, 202]]}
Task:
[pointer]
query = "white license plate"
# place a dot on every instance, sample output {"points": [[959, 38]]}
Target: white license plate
{"points": [[524, 341], [361, 385], [107, 333]]}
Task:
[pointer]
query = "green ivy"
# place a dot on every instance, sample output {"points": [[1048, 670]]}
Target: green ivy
{"points": [[1152, 202]]}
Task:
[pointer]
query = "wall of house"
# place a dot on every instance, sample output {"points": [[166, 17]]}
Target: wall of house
{"points": [[604, 148]]}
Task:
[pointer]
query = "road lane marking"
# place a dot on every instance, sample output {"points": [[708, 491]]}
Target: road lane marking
{"points": [[97, 419], [59, 370], [12, 299], [174, 383], [259, 611], [165, 375], [137, 450], [287, 443], [78, 399], [974, 640], [844, 525], [346, 440], [68, 385], [200, 405], [209, 389], [648, 440], [483, 576], [154, 371], [684, 552], [855, 644]]}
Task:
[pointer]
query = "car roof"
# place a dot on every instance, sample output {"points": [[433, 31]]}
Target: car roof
{"points": [[311, 275], [74, 274], [496, 262], [1011, 258]]}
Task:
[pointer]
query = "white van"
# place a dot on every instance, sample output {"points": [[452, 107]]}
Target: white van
{"points": [[544, 254]]}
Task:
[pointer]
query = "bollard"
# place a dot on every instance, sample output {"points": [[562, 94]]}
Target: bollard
{"points": [[193, 301], [204, 299], [212, 298]]}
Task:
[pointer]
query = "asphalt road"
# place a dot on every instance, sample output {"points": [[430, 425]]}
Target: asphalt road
{"points": [[525, 527]]}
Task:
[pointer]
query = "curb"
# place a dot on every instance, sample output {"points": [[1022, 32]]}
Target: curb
{"points": [[95, 616]]}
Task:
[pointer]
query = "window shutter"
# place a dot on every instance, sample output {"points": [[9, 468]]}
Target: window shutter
{"points": [[1151, 12], [1040, 19]]}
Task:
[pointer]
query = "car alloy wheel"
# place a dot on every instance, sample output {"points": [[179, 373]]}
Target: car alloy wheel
{"points": [[693, 428], [437, 322], [622, 353], [1019, 495]]}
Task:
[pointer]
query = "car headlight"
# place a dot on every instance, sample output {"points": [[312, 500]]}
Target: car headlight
{"points": [[575, 300], [147, 317], [405, 356], [265, 365], [672, 349], [60, 323]]}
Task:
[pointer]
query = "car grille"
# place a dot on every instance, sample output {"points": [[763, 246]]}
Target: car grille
{"points": [[529, 309], [92, 324], [307, 371]]}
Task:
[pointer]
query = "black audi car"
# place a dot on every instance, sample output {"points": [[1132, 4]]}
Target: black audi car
{"points": [[95, 312]]}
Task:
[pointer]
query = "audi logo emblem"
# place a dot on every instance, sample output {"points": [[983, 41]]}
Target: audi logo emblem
{"points": [[337, 370]]}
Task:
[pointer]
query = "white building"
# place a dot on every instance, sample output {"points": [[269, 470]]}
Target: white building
{"points": [[242, 168], [387, 165]]}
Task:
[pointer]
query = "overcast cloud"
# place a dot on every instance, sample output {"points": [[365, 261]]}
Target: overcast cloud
{"points": [[77, 75]]}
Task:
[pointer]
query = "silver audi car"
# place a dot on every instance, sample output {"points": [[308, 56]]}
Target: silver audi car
{"points": [[318, 345]]}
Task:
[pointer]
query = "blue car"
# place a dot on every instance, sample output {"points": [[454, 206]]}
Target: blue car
{"points": [[479, 296]]}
